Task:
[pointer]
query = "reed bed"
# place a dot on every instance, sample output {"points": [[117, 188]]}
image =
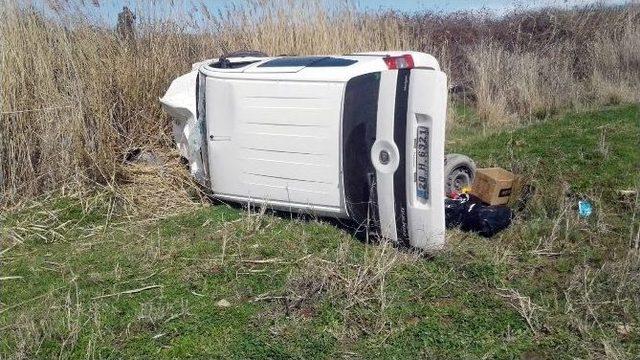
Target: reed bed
{"points": [[77, 95]]}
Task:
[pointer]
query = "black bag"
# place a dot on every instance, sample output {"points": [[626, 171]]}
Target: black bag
{"points": [[454, 210], [484, 219]]}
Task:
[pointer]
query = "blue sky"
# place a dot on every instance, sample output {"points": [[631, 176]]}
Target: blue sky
{"points": [[108, 10]]}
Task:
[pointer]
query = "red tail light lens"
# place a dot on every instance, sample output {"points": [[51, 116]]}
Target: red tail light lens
{"points": [[399, 62]]}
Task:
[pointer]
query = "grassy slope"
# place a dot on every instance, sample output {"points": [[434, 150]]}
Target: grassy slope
{"points": [[544, 287]]}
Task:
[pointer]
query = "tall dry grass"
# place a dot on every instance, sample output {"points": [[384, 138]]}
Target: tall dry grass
{"points": [[584, 58], [75, 96]]}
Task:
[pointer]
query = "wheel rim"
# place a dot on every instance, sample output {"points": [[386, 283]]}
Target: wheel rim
{"points": [[458, 179]]}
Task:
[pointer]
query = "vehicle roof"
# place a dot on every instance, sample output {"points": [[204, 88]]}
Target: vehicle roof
{"points": [[312, 68]]}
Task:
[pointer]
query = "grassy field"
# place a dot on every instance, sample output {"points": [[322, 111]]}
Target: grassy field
{"points": [[104, 259], [81, 278]]}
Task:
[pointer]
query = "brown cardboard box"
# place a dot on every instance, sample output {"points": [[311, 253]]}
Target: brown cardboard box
{"points": [[493, 185]]}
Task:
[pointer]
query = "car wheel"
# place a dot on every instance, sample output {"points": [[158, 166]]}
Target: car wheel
{"points": [[459, 172]]}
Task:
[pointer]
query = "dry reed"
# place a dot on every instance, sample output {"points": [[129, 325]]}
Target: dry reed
{"points": [[76, 96]]}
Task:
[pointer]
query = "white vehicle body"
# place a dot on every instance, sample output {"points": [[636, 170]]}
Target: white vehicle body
{"points": [[352, 136]]}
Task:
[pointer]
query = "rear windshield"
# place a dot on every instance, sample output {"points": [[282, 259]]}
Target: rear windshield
{"points": [[359, 125], [308, 61]]}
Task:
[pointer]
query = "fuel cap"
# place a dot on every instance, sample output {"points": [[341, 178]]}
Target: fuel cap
{"points": [[385, 156]]}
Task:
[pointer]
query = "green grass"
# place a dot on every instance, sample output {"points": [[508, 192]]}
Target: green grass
{"points": [[592, 152], [552, 285]]}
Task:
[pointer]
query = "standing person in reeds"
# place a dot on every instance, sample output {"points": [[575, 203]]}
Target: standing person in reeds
{"points": [[125, 28]]}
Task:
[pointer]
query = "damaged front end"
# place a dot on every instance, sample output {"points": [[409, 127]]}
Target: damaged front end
{"points": [[188, 120]]}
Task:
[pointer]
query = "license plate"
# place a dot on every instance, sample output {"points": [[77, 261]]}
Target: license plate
{"points": [[422, 163]]}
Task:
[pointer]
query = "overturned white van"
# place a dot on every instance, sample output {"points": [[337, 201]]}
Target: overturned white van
{"points": [[357, 136]]}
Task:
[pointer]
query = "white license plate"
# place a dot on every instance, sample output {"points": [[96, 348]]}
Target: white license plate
{"points": [[422, 163]]}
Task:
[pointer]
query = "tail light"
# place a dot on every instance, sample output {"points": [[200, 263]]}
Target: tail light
{"points": [[399, 62]]}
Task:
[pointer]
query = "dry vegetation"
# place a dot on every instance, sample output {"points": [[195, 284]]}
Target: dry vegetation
{"points": [[86, 273], [76, 96]]}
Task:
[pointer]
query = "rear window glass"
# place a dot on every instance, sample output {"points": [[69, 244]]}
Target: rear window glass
{"points": [[308, 61]]}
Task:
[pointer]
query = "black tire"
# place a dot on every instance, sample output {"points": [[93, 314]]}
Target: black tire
{"points": [[459, 172]]}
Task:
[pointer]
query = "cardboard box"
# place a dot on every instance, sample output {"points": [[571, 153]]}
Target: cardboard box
{"points": [[493, 185]]}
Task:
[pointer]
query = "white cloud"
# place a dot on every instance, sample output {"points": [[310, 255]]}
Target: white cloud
{"points": [[562, 3], [502, 6], [495, 6]]}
